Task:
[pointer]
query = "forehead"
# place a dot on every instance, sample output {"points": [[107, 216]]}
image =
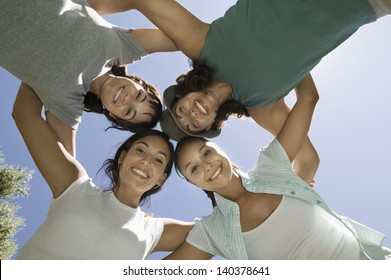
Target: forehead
{"points": [[191, 150], [155, 144]]}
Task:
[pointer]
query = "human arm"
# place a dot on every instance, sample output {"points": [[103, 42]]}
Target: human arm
{"points": [[273, 118], [186, 31], [66, 135], [153, 40], [188, 252], [297, 124], [106, 7], [56, 165], [174, 234]]}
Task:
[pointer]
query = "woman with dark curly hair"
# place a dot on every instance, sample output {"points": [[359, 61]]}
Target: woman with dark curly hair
{"points": [[88, 222], [250, 59], [65, 49]]}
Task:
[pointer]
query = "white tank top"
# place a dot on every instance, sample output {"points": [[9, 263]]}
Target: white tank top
{"points": [[300, 230]]}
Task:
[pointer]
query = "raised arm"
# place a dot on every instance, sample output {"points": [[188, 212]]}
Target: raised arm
{"points": [[297, 124], [273, 118], [66, 135], [185, 30], [56, 165]]}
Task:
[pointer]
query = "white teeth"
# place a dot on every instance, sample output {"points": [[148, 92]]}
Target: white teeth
{"points": [[118, 94], [215, 174], [139, 172], [199, 105]]}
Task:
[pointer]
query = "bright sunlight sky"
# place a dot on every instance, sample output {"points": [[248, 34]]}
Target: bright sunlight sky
{"points": [[350, 130]]}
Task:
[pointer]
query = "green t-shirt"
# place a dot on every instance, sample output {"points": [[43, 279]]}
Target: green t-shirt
{"points": [[264, 48]]}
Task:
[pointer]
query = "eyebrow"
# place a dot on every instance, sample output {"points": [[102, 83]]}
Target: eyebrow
{"points": [[159, 152], [199, 150]]}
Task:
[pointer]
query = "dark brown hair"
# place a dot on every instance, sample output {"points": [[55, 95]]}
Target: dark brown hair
{"points": [[93, 104]]}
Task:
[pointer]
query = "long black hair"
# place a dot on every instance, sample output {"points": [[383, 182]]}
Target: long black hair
{"points": [[111, 166], [93, 104], [199, 79]]}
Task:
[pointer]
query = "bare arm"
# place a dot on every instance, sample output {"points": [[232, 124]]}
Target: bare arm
{"points": [[184, 29], [174, 234], [188, 252], [106, 7], [297, 125], [153, 40], [273, 118], [66, 135], [56, 165]]}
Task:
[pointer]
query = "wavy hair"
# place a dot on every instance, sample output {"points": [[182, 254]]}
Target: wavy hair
{"points": [[199, 79], [93, 104], [111, 166]]}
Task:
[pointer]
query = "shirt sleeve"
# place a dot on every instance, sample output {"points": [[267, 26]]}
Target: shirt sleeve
{"points": [[272, 163], [199, 238]]}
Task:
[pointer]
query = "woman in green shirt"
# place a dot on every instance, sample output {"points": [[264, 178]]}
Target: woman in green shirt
{"points": [[255, 55]]}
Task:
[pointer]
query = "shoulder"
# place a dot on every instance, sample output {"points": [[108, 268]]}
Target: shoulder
{"points": [[84, 183]]}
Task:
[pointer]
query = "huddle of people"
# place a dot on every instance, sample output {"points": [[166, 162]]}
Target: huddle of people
{"points": [[241, 67]]}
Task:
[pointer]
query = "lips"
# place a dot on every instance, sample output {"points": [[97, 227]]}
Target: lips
{"points": [[139, 172], [215, 174], [117, 94], [202, 108]]}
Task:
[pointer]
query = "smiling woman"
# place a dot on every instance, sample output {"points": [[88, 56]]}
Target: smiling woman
{"points": [[82, 47], [83, 218], [253, 210], [128, 101]]}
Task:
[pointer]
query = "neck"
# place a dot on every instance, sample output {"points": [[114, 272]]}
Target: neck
{"points": [[222, 91], [97, 83], [127, 197], [234, 190]]}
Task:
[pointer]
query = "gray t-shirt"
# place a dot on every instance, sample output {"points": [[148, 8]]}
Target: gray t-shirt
{"points": [[58, 47]]}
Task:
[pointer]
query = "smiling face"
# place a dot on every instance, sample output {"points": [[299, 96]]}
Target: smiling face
{"points": [[196, 111], [125, 99], [142, 167], [205, 165]]}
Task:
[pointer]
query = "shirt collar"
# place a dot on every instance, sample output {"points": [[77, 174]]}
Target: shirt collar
{"points": [[225, 205]]}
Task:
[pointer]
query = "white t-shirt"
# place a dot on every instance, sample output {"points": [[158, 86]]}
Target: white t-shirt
{"points": [[309, 232], [86, 222]]}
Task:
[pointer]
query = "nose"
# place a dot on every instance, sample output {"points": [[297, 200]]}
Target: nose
{"points": [[208, 167], [125, 98], [145, 161], [193, 113]]}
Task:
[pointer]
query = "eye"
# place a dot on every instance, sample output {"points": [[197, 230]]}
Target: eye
{"points": [[194, 169], [206, 154], [128, 111], [159, 161], [140, 150]]}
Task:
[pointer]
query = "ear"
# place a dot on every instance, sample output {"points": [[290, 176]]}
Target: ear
{"points": [[112, 115], [122, 156], [162, 179]]}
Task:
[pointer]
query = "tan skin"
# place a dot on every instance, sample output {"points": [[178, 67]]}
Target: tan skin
{"points": [[189, 34], [148, 155], [153, 40], [207, 166]]}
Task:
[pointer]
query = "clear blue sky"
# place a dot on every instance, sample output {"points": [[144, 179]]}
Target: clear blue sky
{"points": [[350, 129]]}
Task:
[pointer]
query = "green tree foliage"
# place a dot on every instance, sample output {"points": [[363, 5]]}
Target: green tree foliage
{"points": [[13, 184]]}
